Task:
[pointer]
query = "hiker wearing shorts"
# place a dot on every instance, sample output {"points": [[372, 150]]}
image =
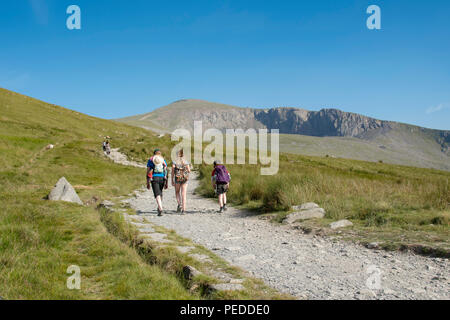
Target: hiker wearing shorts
{"points": [[180, 178], [220, 179], [157, 177]]}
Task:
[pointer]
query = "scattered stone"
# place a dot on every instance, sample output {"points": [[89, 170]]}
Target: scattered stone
{"points": [[106, 204], [49, 147], [246, 257], [63, 191], [237, 281], [190, 272], [306, 206], [184, 249], [316, 213], [373, 245], [158, 237], [340, 224], [227, 287], [146, 229], [200, 257]]}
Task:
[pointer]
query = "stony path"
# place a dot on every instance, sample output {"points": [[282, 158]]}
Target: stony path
{"points": [[120, 158], [302, 265]]}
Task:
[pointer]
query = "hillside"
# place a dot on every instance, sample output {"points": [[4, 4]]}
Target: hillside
{"points": [[40, 239], [326, 132]]}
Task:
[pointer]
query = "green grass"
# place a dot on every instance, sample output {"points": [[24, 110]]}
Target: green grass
{"points": [[39, 239], [404, 205], [170, 259]]}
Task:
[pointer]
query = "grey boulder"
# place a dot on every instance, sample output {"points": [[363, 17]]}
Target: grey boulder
{"points": [[314, 213], [306, 206], [63, 191], [340, 224]]}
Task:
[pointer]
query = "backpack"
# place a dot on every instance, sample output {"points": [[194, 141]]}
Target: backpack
{"points": [[222, 175], [181, 172], [159, 168]]}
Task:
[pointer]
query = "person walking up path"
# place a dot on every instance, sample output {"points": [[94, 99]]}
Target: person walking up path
{"points": [[180, 178], [157, 177], [220, 179]]}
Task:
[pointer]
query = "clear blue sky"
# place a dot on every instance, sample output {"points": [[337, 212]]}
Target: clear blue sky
{"points": [[134, 56]]}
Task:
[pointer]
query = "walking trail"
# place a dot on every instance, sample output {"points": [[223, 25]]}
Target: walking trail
{"points": [[302, 265]]}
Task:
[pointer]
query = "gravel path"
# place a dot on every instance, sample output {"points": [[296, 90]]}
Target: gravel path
{"points": [[302, 265]]}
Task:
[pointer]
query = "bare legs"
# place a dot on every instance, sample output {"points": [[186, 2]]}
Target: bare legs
{"points": [[181, 194], [178, 194], [159, 202], [222, 199]]}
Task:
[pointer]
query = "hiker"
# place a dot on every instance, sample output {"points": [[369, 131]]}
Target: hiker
{"points": [[104, 146], [157, 175], [107, 147], [180, 177], [220, 179]]}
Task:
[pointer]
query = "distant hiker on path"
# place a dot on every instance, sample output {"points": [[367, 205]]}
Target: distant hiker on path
{"points": [[220, 179], [157, 176], [107, 147], [180, 178], [104, 146]]}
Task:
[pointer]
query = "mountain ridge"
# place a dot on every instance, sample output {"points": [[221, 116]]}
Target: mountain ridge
{"points": [[385, 140]]}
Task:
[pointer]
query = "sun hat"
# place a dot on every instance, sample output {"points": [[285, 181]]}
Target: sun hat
{"points": [[158, 159]]}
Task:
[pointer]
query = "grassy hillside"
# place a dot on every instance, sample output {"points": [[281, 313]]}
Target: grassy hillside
{"points": [[39, 239], [396, 205]]}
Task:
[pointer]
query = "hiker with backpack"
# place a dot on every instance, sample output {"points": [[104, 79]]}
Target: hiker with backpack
{"points": [[180, 178], [107, 147], [157, 177], [220, 179]]}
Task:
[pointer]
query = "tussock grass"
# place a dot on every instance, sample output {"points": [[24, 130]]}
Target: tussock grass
{"points": [[377, 197], [39, 239]]}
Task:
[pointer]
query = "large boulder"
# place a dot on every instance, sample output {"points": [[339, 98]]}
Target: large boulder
{"points": [[340, 224], [63, 191], [305, 211], [306, 206]]}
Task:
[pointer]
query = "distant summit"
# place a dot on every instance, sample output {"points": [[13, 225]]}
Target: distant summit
{"points": [[354, 135]]}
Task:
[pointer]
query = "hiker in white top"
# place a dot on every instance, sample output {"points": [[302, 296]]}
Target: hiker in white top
{"points": [[180, 178]]}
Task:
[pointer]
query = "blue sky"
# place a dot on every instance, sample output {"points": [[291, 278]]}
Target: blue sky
{"points": [[134, 56]]}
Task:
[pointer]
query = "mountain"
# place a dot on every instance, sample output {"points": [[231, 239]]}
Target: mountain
{"points": [[326, 132]]}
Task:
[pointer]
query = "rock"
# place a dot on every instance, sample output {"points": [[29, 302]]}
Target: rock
{"points": [[50, 146], [316, 213], [237, 281], [158, 237], [246, 257], [106, 204], [63, 191], [373, 245], [227, 287], [190, 272], [340, 224], [184, 249], [305, 206], [200, 257]]}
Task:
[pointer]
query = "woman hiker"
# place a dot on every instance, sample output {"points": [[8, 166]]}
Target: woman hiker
{"points": [[180, 178], [157, 175], [220, 179]]}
